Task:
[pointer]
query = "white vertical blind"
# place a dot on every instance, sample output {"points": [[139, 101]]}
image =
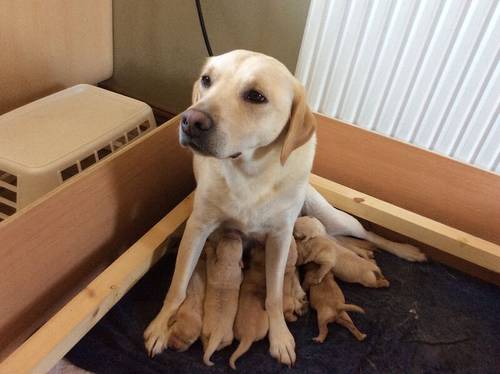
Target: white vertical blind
{"points": [[423, 71]]}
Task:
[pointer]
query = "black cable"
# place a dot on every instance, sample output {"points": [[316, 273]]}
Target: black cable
{"points": [[203, 29]]}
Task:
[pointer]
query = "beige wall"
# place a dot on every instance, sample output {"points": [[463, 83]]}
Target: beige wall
{"points": [[50, 45], [159, 49]]}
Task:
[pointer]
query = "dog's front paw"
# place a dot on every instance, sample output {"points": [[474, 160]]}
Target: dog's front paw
{"points": [[282, 344], [157, 334]]}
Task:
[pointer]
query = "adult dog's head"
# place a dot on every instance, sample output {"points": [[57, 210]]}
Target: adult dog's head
{"points": [[244, 101]]}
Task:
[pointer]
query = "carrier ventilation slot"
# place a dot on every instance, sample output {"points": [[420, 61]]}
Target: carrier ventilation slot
{"points": [[6, 210], [8, 194], [132, 135], [103, 152], [88, 161], [69, 172], [119, 142], [7, 179], [144, 126]]}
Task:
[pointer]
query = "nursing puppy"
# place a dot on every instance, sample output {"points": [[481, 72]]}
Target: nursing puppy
{"points": [[224, 278], [294, 297], [314, 245], [253, 139], [329, 302], [252, 322], [188, 320]]}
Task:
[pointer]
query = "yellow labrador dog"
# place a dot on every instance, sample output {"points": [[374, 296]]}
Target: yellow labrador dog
{"points": [[253, 137]]}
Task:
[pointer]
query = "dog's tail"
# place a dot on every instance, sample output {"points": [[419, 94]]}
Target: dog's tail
{"points": [[244, 346], [213, 342], [351, 308]]}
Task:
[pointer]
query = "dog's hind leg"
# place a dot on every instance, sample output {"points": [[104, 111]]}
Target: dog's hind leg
{"points": [[337, 222]]}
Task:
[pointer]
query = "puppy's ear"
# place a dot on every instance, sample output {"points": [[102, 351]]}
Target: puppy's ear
{"points": [[301, 125], [196, 92]]}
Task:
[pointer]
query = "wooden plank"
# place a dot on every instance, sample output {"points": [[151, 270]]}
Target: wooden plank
{"points": [[54, 247], [420, 181], [54, 339], [437, 255], [425, 230]]}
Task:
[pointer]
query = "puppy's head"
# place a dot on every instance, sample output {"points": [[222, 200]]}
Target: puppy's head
{"points": [[306, 228], [244, 101], [184, 334]]}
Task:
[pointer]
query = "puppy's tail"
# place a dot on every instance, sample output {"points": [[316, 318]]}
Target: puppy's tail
{"points": [[352, 308], [244, 346], [211, 347]]}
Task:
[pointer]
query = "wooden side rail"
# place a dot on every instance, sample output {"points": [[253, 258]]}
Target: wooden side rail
{"points": [[56, 337]]}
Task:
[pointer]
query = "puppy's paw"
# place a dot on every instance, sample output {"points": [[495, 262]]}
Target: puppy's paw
{"points": [[315, 280], [290, 317], [282, 344], [382, 283], [411, 253], [360, 337], [157, 334], [319, 339], [301, 305], [366, 254], [302, 310]]}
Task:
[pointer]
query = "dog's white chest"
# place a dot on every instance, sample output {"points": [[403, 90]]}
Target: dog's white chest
{"points": [[256, 210]]}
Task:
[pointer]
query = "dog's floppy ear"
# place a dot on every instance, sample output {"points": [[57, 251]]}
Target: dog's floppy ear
{"points": [[196, 92], [301, 125]]}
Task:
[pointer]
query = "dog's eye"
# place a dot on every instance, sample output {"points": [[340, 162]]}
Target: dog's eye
{"points": [[205, 81], [255, 97]]}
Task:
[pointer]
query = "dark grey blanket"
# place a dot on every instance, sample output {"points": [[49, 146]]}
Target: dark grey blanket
{"points": [[431, 319]]}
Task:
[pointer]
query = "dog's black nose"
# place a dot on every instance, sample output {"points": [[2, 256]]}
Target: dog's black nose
{"points": [[194, 123]]}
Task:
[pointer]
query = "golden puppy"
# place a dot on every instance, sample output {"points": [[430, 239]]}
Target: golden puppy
{"points": [[314, 245], [294, 297], [252, 321], [188, 320], [224, 278], [329, 302]]}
